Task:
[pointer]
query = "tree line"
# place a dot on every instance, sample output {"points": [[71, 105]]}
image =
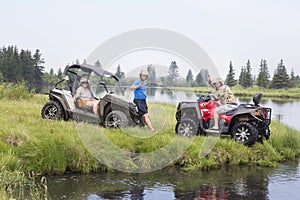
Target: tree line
{"points": [[24, 66], [281, 78], [18, 66]]}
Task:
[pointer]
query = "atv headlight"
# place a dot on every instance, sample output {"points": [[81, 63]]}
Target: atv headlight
{"points": [[259, 113]]}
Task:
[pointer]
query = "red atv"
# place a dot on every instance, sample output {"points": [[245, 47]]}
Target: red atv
{"points": [[247, 124]]}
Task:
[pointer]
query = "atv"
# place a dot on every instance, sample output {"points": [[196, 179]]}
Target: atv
{"points": [[247, 124], [113, 111]]}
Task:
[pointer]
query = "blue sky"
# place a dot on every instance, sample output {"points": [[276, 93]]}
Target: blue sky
{"points": [[227, 30]]}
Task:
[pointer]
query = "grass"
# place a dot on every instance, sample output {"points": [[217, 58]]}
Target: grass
{"points": [[30, 144]]}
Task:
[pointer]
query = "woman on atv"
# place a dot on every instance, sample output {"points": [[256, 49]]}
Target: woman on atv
{"points": [[85, 96], [139, 87], [226, 98]]}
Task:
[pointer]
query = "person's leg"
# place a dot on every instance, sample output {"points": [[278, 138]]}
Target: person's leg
{"points": [[95, 107], [216, 120], [148, 122]]}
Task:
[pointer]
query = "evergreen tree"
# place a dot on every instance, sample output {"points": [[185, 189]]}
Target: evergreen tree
{"points": [[28, 68], [98, 64], [119, 73], [200, 80], [263, 75], [59, 74], [293, 79], [51, 72], [152, 74], [204, 73], [230, 81], [245, 78], [173, 73], [242, 76], [84, 61], [10, 64], [189, 77], [248, 75], [280, 77], [38, 70]]}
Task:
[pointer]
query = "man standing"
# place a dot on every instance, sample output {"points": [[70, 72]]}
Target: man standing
{"points": [[139, 87], [225, 96]]}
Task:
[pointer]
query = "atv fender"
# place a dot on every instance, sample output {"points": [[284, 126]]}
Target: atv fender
{"points": [[61, 101], [189, 110]]}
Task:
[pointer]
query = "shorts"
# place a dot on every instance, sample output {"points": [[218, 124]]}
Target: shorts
{"points": [[141, 106], [225, 108]]}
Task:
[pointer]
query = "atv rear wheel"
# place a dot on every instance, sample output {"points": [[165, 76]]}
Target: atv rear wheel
{"points": [[116, 119], [245, 133], [52, 110], [186, 127]]}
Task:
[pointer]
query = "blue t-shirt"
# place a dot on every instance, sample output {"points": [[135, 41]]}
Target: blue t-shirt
{"points": [[140, 92]]}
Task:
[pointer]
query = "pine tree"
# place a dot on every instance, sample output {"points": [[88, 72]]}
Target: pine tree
{"points": [[200, 80], [28, 68], [98, 64], [245, 78], [230, 81], [263, 75], [51, 72], [119, 73], [152, 74], [189, 77], [173, 73], [242, 76], [248, 75], [280, 77], [38, 70], [59, 74], [293, 79]]}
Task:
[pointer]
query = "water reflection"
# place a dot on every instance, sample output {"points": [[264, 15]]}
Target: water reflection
{"points": [[227, 183]]}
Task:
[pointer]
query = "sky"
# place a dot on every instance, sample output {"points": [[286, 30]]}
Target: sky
{"points": [[227, 30]]}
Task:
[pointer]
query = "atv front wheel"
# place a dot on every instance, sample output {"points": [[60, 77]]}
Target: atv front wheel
{"points": [[52, 110], [245, 133], [186, 127], [116, 119]]}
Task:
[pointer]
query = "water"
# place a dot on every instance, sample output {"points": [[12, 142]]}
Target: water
{"points": [[226, 183]]}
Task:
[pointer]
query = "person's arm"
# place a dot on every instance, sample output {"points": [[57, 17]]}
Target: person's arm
{"points": [[76, 96], [209, 81], [134, 86]]}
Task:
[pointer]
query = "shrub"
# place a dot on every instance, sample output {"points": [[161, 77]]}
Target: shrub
{"points": [[11, 91]]}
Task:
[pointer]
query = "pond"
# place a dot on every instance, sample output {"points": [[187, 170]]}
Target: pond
{"points": [[169, 183]]}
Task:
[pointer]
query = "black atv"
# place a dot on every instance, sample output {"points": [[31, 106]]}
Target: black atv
{"points": [[247, 124], [113, 110]]}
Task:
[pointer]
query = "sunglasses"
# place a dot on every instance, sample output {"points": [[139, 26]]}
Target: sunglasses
{"points": [[84, 82]]}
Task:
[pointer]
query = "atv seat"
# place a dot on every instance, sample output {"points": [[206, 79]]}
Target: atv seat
{"points": [[82, 105]]}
